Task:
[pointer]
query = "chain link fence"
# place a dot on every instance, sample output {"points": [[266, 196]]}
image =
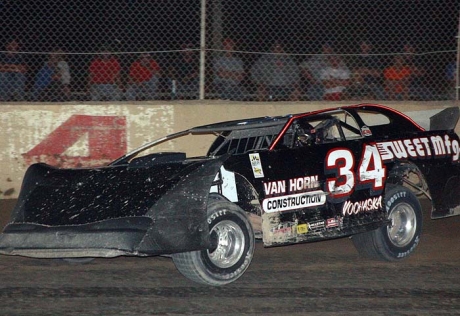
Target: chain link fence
{"points": [[78, 50]]}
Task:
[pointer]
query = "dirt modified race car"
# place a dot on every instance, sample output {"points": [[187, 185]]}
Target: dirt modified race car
{"points": [[354, 171]]}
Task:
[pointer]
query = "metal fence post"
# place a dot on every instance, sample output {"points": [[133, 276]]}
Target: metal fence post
{"points": [[202, 48]]}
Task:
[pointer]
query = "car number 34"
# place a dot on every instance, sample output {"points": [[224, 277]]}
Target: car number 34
{"points": [[370, 173]]}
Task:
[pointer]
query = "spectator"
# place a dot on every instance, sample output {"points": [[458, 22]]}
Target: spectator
{"points": [[335, 79], [276, 75], [418, 87], [311, 72], [228, 73], [184, 74], [53, 79], [104, 77], [367, 74], [143, 79], [397, 79], [48, 86], [63, 74], [12, 73]]}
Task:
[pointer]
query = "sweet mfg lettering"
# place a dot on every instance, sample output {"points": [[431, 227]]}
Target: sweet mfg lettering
{"points": [[421, 147]]}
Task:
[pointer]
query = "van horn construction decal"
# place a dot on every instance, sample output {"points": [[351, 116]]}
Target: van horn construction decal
{"points": [[277, 201], [292, 185], [294, 201]]}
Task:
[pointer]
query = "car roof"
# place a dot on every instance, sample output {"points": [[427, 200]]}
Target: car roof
{"points": [[268, 121], [250, 123]]}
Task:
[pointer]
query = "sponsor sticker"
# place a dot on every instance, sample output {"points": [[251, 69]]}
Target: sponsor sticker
{"points": [[316, 225], [437, 146], [294, 201], [302, 229], [256, 165], [300, 184], [366, 131], [333, 222], [283, 229], [368, 205]]}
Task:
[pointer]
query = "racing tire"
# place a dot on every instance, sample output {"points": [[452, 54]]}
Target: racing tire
{"points": [[401, 236], [232, 247]]}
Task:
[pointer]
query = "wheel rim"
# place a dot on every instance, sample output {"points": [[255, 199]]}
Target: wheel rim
{"points": [[403, 225], [229, 239]]}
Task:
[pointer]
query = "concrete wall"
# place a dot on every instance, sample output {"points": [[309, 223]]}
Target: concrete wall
{"points": [[80, 135]]}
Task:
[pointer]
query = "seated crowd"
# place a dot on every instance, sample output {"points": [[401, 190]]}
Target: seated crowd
{"points": [[273, 76]]}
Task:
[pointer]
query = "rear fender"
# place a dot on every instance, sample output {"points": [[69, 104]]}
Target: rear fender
{"points": [[449, 204], [444, 197], [409, 175]]}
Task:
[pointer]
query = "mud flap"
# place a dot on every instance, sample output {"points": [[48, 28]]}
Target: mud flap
{"points": [[450, 200]]}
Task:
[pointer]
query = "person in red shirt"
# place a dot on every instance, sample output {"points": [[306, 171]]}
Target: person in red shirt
{"points": [[104, 77], [397, 79], [143, 79]]}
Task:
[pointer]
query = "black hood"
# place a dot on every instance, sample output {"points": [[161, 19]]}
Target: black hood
{"points": [[55, 197]]}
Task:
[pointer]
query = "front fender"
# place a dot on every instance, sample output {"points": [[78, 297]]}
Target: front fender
{"points": [[179, 217]]}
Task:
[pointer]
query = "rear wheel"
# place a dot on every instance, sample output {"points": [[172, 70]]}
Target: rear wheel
{"points": [[401, 236], [232, 241]]}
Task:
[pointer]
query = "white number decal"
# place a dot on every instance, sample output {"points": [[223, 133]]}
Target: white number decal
{"points": [[341, 162], [371, 169]]}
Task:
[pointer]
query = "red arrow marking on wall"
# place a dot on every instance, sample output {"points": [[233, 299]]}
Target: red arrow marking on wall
{"points": [[106, 142]]}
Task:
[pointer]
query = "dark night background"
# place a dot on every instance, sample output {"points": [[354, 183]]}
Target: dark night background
{"points": [[82, 25]]}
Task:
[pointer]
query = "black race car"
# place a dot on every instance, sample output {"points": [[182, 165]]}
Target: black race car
{"points": [[355, 171]]}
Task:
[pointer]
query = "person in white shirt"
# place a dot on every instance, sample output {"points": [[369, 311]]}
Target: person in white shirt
{"points": [[63, 71], [335, 78]]}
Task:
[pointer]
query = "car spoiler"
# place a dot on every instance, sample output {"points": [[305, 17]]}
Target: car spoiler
{"points": [[447, 119]]}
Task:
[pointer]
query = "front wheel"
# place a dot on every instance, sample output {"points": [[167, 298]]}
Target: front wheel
{"points": [[401, 236], [232, 240]]}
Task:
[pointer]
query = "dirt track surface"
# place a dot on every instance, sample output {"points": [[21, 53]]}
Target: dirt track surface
{"points": [[324, 278]]}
